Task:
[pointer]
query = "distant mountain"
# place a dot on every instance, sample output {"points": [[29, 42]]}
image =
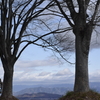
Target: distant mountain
{"points": [[39, 96], [56, 90], [61, 89], [17, 88], [95, 86]]}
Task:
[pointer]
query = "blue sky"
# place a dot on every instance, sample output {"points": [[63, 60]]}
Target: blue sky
{"points": [[36, 66], [39, 66]]}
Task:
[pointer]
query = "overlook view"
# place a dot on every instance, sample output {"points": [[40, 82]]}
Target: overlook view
{"points": [[49, 49]]}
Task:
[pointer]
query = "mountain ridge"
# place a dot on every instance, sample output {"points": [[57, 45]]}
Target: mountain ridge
{"points": [[61, 90], [57, 90], [38, 96]]}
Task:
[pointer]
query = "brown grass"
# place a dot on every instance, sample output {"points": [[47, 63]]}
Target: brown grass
{"points": [[91, 95]]}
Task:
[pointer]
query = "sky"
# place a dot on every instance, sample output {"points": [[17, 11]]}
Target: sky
{"points": [[42, 67], [38, 66]]}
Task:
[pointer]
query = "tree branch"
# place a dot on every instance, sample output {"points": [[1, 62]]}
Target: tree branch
{"points": [[95, 12], [60, 8]]}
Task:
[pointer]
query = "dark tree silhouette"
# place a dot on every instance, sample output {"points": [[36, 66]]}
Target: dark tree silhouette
{"points": [[82, 17], [16, 16]]}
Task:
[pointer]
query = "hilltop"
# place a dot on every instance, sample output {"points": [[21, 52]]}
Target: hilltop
{"points": [[91, 95]]}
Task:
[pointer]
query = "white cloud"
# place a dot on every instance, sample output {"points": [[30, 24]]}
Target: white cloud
{"points": [[95, 76], [64, 72], [48, 77], [95, 40], [62, 76], [44, 73], [32, 72], [37, 63]]}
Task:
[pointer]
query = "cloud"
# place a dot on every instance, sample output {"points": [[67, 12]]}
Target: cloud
{"points": [[29, 72], [44, 73], [63, 72], [95, 40], [61, 76], [68, 41], [95, 76], [37, 63], [47, 77]]}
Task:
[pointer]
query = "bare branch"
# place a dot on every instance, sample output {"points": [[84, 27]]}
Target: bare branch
{"points": [[95, 11], [70, 23]]}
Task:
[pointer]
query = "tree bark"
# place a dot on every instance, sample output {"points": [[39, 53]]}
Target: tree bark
{"points": [[82, 44], [8, 81], [81, 75]]}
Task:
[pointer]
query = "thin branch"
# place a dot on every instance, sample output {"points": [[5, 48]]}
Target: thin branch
{"points": [[60, 8], [95, 11]]}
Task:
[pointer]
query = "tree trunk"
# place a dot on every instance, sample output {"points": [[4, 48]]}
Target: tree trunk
{"points": [[81, 75], [82, 44], [7, 82]]}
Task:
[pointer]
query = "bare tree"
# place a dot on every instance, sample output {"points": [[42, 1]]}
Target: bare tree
{"points": [[15, 34], [16, 16], [82, 17]]}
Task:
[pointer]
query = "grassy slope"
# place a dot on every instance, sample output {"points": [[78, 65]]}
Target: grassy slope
{"points": [[91, 95]]}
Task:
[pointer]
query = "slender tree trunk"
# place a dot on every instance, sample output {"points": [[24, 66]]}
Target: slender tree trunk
{"points": [[7, 82], [82, 44]]}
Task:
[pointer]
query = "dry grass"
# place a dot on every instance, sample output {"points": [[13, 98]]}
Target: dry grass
{"points": [[91, 95]]}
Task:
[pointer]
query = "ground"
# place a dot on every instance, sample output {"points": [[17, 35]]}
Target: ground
{"points": [[91, 95], [13, 98]]}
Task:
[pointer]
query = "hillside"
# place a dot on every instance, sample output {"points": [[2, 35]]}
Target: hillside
{"points": [[39, 96], [91, 95]]}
